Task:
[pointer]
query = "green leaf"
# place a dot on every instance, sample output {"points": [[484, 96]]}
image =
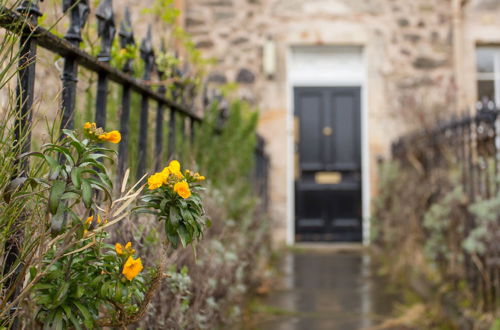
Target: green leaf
{"points": [[42, 286], [49, 321], [174, 217], [54, 172], [70, 195], [61, 293], [13, 186], [63, 150], [97, 157], [87, 317], [56, 192], [118, 291], [86, 194], [57, 323], [43, 299], [29, 154], [173, 238], [164, 205], [105, 180], [94, 164], [51, 161], [183, 235], [33, 272], [67, 311], [57, 221], [76, 178], [79, 291], [75, 322]]}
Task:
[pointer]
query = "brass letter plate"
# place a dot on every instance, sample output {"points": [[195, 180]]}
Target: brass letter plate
{"points": [[328, 177]]}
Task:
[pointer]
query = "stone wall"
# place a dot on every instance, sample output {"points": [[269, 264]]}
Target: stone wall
{"points": [[419, 62], [412, 51]]}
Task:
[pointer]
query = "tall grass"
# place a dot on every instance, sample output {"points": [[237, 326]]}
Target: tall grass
{"points": [[229, 156], [22, 230]]}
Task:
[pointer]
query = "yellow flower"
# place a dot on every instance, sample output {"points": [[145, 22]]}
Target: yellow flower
{"points": [[89, 220], [113, 137], [174, 166], [156, 181], [132, 268], [91, 127], [99, 219], [166, 172], [118, 248], [182, 189], [175, 169], [128, 248], [198, 177]]}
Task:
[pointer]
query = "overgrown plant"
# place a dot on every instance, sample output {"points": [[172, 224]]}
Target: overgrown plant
{"points": [[434, 237], [76, 277], [231, 159], [173, 198]]}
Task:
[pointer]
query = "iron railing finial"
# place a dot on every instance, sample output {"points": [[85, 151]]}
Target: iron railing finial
{"points": [[79, 13], [106, 29], [147, 53], [127, 38]]}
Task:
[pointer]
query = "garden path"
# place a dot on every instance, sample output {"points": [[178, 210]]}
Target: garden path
{"points": [[326, 287]]}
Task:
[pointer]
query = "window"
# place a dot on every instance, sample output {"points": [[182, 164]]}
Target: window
{"points": [[488, 73]]}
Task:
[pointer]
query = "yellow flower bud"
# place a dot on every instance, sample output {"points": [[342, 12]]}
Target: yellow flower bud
{"points": [[118, 248]]}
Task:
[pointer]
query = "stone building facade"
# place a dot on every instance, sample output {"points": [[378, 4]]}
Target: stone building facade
{"points": [[418, 61], [414, 61]]}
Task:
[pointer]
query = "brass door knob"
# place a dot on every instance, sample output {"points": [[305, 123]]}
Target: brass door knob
{"points": [[327, 131]]}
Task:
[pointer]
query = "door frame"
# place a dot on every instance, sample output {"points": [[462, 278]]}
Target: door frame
{"points": [[365, 155]]}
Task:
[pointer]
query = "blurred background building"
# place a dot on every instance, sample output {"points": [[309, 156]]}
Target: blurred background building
{"points": [[337, 81]]}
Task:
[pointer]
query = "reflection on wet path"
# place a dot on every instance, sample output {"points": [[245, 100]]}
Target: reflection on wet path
{"points": [[326, 289]]}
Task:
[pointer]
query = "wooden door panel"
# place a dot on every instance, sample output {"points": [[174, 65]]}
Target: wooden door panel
{"points": [[345, 123], [311, 105], [329, 140]]}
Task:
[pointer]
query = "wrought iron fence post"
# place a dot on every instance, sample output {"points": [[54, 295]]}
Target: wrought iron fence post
{"points": [[106, 31], [147, 55], [22, 124], [26, 82], [78, 14], [182, 121], [171, 134], [127, 39], [159, 117], [496, 146], [192, 127]]}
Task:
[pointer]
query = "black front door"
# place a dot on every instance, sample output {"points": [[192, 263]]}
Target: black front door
{"points": [[328, 164]]}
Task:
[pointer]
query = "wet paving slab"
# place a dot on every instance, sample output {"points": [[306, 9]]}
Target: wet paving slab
{"points": [[326, 288]]}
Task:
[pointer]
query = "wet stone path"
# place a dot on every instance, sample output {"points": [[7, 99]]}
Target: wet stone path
{"points": [[325, 288]]}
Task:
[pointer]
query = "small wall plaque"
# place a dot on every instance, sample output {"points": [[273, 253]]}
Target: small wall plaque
{"points": [[328, 177]]}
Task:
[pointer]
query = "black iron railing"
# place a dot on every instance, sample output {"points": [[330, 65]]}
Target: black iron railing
{"points": [[24, 22], [469, 146]]}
